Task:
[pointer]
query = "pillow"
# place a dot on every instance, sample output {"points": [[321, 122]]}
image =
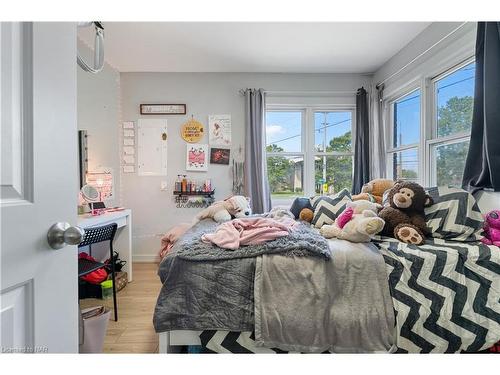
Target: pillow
{"points": [[298, 205], [327, 208], [454, 215]]}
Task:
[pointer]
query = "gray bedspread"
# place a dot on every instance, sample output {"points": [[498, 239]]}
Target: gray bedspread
{"points": [[302, 241], [205, 295], [309, 305]]}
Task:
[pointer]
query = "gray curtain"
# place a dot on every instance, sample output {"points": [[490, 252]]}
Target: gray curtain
{"points": [[256, 184], [482, 167], [362, 146], [377, 133]]}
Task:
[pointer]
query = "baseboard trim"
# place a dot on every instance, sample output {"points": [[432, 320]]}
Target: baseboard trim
{"points": [[147, 258]]}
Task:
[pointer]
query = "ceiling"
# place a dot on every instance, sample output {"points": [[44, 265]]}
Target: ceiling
{"points": [[336, 47]]}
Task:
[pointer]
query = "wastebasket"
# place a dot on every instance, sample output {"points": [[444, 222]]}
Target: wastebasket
{"points": [[95, 323]]}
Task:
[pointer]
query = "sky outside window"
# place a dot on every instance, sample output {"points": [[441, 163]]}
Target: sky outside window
{"points": [[284, 130]]}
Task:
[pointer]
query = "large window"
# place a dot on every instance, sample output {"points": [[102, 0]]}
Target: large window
{"points": [[309, 151], [429, 143], [332, 151], [453, 103], [405, 131], [285, 156]]}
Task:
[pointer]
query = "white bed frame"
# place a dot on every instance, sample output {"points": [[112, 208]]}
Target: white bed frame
{"points": [[487, 201]]}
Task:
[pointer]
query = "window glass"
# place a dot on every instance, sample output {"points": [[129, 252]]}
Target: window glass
{"points": [[405, 165], [450, 163], [286, 176], [407, 120], [332, 131], [334, 171], [284, 131], [455, 100]]}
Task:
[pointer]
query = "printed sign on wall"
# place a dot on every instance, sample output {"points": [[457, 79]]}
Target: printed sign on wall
{"points": [[219, 127], [197, 157], [192, 131]]}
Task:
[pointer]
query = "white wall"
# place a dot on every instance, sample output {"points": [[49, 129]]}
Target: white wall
{"points": [[204, 93], [98, 111]]}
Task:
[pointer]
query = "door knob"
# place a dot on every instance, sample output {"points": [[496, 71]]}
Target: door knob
{"points": [[62, 234]]}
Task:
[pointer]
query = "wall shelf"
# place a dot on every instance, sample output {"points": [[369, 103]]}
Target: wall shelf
{"points": [[182, 199]]}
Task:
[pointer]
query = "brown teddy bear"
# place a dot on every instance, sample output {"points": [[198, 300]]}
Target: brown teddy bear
{"points": [[374, 190], [404, 215]]}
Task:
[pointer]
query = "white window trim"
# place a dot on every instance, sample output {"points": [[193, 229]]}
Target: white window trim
{"points": [[308, 137], [428, 121], [389, 127]]}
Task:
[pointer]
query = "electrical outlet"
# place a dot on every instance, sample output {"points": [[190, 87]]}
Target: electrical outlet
{"points": [[163, 185]]}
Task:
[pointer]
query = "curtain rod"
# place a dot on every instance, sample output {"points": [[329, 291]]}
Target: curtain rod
{"points": [[305, 92], [421, 54]]}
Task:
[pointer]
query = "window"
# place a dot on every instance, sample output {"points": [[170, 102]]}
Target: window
{"points": [[431, 147], [308, 151], [333, 151], [454, 100], [285, 157], [405, 129]]}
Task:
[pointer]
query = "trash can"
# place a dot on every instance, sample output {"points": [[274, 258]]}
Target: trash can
{"points": [[95, 323]]}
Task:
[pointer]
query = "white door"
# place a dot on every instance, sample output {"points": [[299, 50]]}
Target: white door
{"points": [[39, 187]]}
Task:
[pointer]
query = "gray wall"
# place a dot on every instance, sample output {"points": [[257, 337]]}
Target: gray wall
{"points": [[459, 45], [204, 93], [98, 113]]}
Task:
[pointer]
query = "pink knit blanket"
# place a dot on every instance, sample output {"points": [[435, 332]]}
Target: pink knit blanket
{"points": [[252, 231]]}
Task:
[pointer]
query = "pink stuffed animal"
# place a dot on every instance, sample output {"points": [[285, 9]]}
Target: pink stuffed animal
{"points": [[492, 228]]}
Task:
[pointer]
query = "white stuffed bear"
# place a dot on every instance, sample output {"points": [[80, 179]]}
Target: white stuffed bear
{"points": [[237, 206], [357, 223]]}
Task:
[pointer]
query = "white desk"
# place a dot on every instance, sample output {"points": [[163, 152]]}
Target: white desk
{"points": [[123, 236]]}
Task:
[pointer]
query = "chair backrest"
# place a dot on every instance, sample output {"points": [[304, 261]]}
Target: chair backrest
{"points": [[99, 234]]}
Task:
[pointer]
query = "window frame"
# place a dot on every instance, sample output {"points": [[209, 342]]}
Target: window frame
{"points": [[426, 82], [389, 128], [308, 137], [434, 141]]}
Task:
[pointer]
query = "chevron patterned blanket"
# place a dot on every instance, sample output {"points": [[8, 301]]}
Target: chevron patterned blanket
{"points": [[446, 295]]}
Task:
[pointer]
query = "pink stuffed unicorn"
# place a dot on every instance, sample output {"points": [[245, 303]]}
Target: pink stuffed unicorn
{"points": [[492, 228]]}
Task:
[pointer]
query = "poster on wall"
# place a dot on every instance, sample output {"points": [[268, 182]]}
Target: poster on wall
{"points": [[219, 156], [219, 130], [197, 157]]}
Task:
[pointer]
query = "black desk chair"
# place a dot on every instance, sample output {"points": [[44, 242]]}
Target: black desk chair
{"points": [[92, 236]]}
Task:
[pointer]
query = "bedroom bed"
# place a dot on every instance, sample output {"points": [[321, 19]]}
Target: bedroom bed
{"points": [[386, 296]]}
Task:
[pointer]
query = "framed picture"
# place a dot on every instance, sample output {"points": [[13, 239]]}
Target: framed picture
{"points": [[197, 157], [163, 109], [219, 127], [219, 156]]}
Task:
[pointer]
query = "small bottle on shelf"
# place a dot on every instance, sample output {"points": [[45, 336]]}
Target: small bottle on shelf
{"points": [[184, 184]]}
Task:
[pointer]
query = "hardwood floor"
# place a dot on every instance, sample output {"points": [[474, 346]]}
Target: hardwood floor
{"points": [[134, 332]]}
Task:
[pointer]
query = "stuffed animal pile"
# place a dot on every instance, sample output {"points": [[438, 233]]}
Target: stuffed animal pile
{"points": [[404, 212], [357, 223], [491, 228], [236, 206], [374, 190]]}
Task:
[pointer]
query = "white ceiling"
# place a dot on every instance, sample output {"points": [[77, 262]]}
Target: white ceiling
{"points": [[336, 47]]}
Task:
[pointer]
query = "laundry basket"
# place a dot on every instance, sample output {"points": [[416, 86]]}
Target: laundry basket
{"points": [[94, 321]]}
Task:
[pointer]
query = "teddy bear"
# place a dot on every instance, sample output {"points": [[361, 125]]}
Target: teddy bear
{"points": [[404, 213], [236, 206], [491, 228], [357, 223], [374, 190]]}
